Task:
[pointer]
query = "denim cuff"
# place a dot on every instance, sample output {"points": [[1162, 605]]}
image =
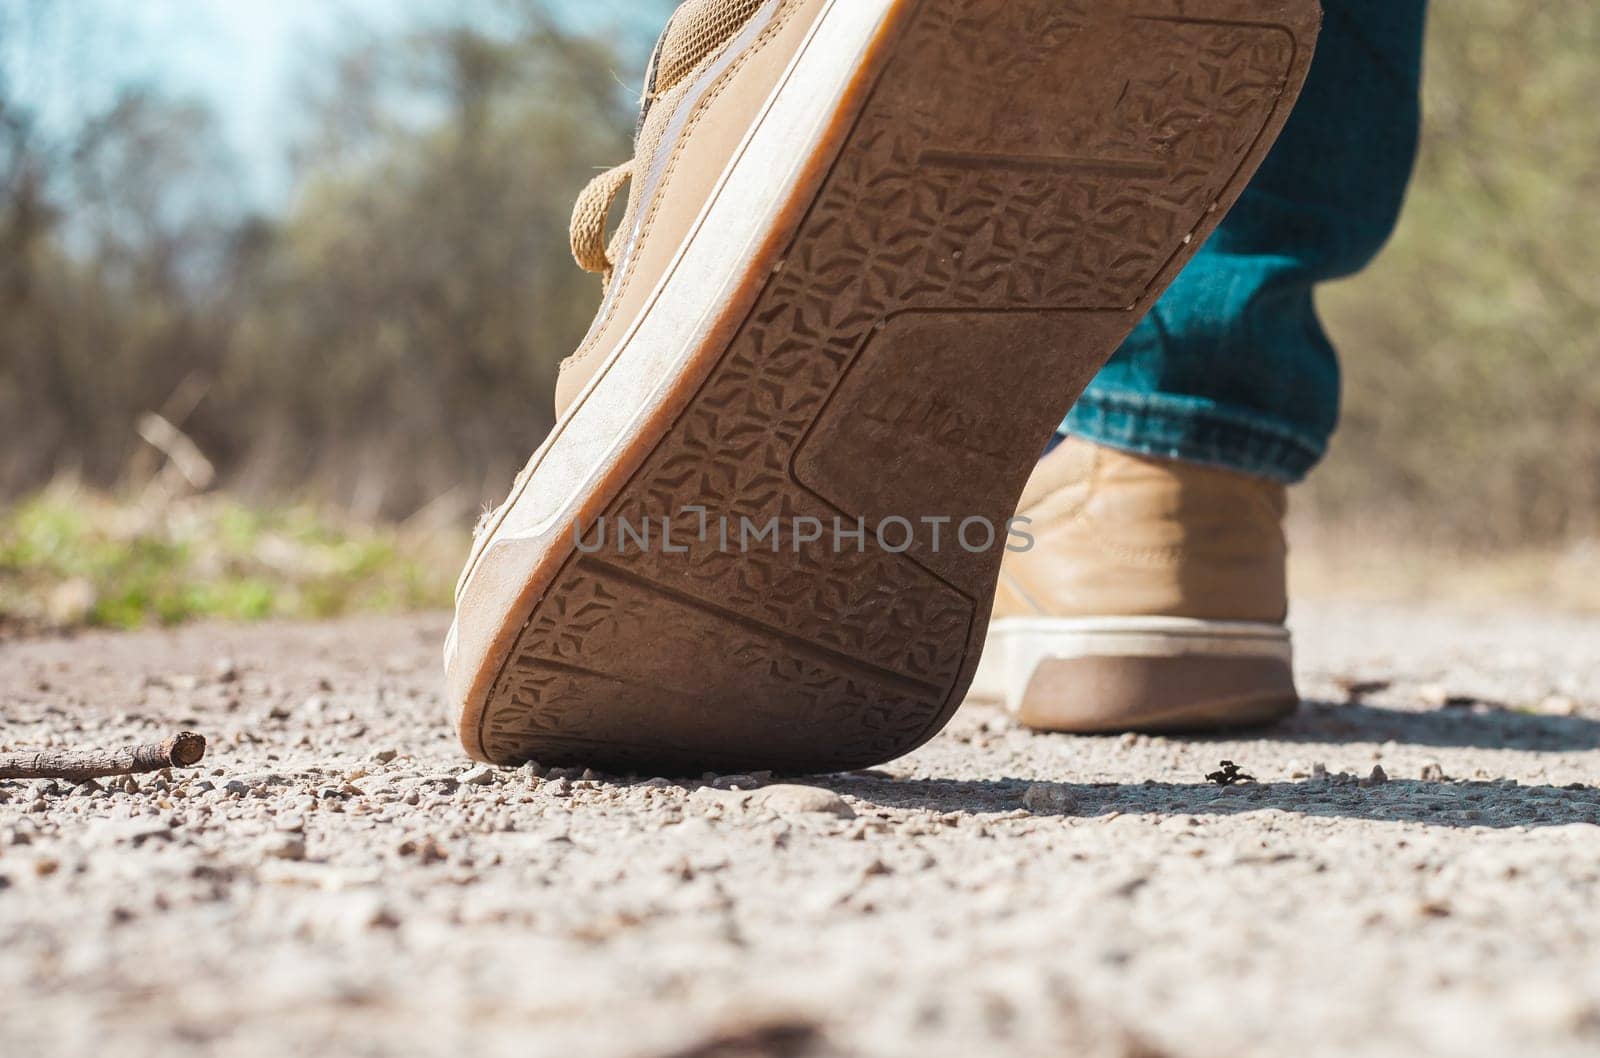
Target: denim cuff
{"points": [[1195, 430]]}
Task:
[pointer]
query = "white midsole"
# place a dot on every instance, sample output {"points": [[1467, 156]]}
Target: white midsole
{"points": [[587, 445], [1017, 646]]}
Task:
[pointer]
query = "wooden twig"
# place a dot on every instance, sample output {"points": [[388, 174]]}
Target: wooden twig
{"points": [[179, 751]]}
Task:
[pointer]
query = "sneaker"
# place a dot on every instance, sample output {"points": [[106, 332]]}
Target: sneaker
{"points": [[872, 251], [1152, 599]]}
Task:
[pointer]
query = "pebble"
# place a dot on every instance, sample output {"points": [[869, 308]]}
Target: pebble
{"points": [[1557, 705], [712, 797], [384, 756], [1049, 798], [1433, 694], [736, 782], [289, 847], [482, 775], [803, 800]]}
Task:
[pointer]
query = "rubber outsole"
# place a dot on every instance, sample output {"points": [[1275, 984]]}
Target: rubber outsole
{"points": [[1112, 675], [1163, 695], [1013, 184]]}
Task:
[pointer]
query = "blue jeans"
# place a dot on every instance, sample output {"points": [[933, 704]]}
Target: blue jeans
{"points": [[1232, 367]]}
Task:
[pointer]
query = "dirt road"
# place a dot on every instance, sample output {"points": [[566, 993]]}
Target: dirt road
{"points": [[336, 880]]}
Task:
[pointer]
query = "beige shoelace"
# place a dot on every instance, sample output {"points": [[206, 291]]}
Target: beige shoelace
{"points": [[595, 202], [693, 34]]}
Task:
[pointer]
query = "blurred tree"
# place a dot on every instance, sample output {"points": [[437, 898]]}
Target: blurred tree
{"points": [[394, 335], [408, 323], [111, 226]]}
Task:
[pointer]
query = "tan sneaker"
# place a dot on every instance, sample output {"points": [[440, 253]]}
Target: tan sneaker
{"points": [[873, 250], [1152, 599]]}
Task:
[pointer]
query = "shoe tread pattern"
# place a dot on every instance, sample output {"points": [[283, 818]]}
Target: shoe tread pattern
{"points": [[972, 182]]}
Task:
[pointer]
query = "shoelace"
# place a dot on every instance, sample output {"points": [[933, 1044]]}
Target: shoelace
{"points": [[595, 202], [693, 33]]}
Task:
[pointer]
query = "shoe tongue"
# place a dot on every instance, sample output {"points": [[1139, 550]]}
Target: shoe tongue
{"points": [[698, 28]]}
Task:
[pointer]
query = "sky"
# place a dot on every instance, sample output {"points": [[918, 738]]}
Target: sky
{"points": [[242, 57]]}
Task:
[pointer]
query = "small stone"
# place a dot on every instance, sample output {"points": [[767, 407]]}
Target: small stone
{"points": [[1049, 798], [384, 756], [712, 797], [381, 917], [1433, 773], [289, 847], [482, 775], [426, 849], [1557, 705], [737, 782], [225, 670], [803, 800], [1377, 778], [235, 788], [1319, 772], [589, 775], [1439, 697], [1355, 688]]}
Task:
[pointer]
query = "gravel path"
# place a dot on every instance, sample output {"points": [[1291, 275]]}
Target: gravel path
{"points": [[335, 880]]}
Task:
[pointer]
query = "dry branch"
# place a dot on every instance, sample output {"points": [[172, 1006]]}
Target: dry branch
{"points": [[179, 751]]}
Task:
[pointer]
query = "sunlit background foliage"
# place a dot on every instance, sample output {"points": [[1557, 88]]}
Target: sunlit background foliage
{"points": [[355, 305]]}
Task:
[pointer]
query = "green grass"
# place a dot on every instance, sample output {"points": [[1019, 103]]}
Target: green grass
{"points": [[73, 558]]}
